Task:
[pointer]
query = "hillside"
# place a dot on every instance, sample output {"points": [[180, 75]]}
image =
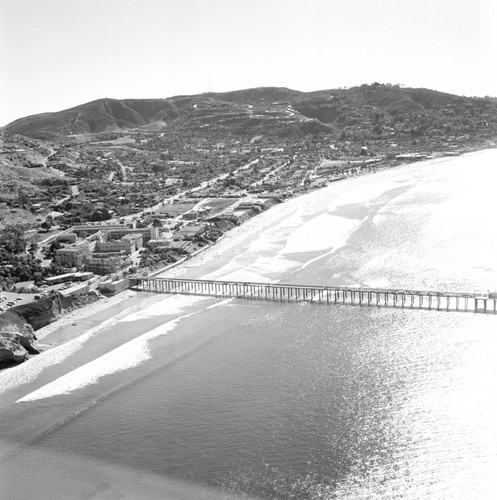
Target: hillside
{"points": [[118, 156], [372, 109]]}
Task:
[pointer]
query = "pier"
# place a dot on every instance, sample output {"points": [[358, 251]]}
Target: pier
{"points": [[372, 297]]}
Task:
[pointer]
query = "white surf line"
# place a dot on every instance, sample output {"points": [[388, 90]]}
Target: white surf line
{"points": [[124, 357], [224, 302], [170, 305], [29, 371]]}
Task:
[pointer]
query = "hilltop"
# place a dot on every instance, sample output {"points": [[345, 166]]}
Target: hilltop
{"points": [[371, 110], [121, 154], [118, 187]]}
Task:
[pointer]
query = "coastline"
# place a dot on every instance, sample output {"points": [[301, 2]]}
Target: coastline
{"points": [[204, 262], [220, 253], [78, 321], [96, 308]]}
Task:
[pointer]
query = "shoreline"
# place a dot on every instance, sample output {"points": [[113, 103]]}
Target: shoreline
{"points": [[194, 267], [75, 315], [207, 260]]}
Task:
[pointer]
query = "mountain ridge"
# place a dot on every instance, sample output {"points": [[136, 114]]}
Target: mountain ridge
{"points": [[267, 110]]}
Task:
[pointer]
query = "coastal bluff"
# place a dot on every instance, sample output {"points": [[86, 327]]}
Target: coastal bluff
{"points": [[17, 339], [18, 324]]}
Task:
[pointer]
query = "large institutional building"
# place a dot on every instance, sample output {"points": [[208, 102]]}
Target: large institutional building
{"points": [[104, 249]]}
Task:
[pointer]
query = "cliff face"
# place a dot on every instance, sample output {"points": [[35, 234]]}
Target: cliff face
{"points": [[16, 338], [40, 312], [17, 325]]}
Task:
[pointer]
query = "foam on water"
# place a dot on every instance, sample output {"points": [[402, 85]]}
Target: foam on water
{"points": [[172, 304], [225, 302], [362, 194], [241, 275], [301, 226], [324, 232], [28, 372], [284, 230], [406, 393], [124, 357]]}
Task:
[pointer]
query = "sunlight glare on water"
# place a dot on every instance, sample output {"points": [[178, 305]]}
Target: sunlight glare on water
{"points": [[207, 398]]}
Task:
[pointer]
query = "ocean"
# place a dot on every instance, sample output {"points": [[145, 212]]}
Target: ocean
{"points": [[189, 397]]}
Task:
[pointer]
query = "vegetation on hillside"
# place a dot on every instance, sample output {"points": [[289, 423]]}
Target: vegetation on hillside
{"points": [[375, 109]]}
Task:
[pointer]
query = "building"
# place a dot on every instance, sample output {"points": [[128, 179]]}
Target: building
{"points": [[191, 215], [180, 246], [148, 233], [159, 243], [101, 263], [250, 205], [66, 238], [190, 232], [60, 278], [82, 276], [128, 244], [113, 287], [73, 255], [91, 229], [113, 232]]}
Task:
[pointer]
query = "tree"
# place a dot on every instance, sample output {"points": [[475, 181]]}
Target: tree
{"points": [[100, 214]]}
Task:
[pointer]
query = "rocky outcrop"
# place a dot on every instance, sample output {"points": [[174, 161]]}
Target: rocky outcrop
{"points": [[17, 325], [16, 339], [40, 312]]}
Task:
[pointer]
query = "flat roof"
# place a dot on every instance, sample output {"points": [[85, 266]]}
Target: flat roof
{"points": [[59, 276]]}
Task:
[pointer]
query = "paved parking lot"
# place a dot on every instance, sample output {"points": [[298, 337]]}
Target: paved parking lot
{"points": [[17, 298]]}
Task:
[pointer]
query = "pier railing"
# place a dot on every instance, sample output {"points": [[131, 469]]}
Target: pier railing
{"points": [[375, 297]]}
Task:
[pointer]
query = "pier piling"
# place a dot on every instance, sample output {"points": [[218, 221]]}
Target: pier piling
{"points": [[472, 302]]}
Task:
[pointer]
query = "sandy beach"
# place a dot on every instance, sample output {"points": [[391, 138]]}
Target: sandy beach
{"points": [[237, 254], [174, 384], [76, 322]]}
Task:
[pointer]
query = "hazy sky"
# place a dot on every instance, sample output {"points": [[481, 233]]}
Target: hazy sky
{"points": [[57, 54]]}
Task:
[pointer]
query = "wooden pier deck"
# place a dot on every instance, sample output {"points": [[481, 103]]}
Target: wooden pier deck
{"points": [[373, 297]]}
